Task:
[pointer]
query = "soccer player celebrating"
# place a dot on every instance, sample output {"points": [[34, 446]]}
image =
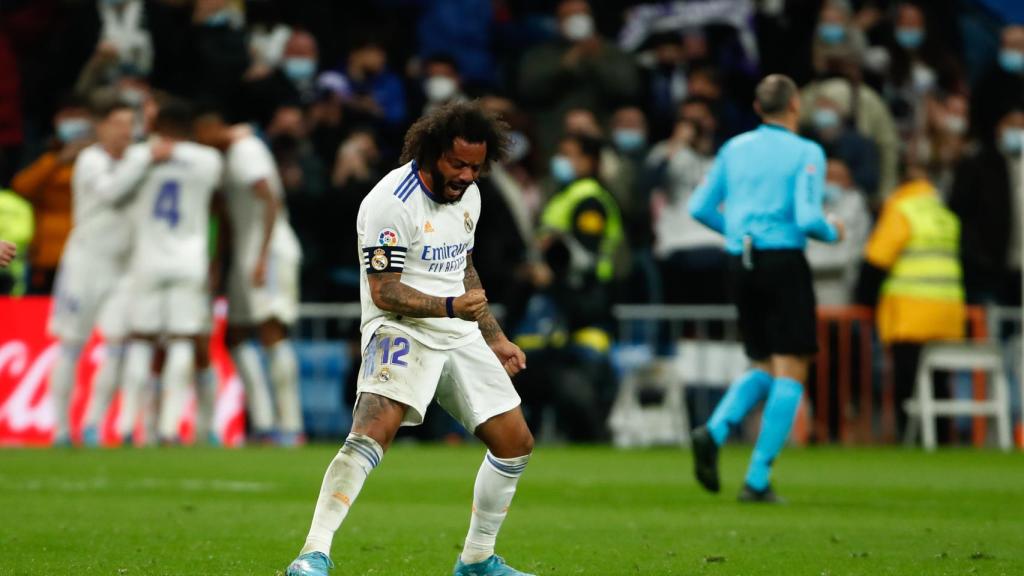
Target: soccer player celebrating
{"points": [[770, 182], [169, 266], [91, 268], [263, 282], [427, 330]]}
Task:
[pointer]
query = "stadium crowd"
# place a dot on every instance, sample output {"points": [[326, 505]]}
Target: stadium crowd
{"points": [[616, 111]]}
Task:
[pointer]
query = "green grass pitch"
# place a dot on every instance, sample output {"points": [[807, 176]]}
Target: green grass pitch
{"points": [[578, 511]]}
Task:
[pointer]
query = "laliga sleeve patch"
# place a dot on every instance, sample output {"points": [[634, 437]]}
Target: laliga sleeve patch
{"points": [[378, 259], [388, 237]]}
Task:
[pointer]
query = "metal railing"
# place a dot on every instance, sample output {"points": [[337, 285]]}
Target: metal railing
{"points": [[850, 364]]}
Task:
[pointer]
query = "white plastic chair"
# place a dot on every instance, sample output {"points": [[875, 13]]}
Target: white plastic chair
{"points": [[634, 424], [967, 356]]}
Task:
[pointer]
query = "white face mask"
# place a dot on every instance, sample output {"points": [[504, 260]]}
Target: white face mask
{"points": [[955, 125], [578, 27], [923, 79], [439, 88]]}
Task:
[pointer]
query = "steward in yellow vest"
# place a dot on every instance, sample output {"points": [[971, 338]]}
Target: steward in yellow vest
{"points": [[914, 254], [917, 240]]}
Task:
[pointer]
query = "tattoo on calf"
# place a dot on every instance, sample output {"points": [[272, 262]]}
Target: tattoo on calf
{"points": [[370, 409]]}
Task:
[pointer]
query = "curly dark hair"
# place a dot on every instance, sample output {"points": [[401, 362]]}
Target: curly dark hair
{"points": [[435, 133]]}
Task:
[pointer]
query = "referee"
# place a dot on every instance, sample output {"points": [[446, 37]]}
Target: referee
{"points": [[764, 194]]}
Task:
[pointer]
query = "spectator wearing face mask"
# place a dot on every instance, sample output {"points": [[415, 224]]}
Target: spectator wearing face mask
{"points": [[921, 64], [1002, 88], [836, 36], [441, 82], [291, 82], [628, 129], [869, 116], [830, 126], [987, 197], [579, 70], [834, 266], [46, 183]]}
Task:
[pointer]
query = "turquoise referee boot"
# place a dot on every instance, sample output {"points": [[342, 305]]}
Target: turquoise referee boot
{"points": [[493, 566], [310, 564]]}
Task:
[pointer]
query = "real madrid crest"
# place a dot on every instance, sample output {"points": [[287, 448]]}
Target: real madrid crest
{"points": [[379, 261], [467, 221], [384, 375]]}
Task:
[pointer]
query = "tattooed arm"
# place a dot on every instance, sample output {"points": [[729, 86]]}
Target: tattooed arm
{"points": [[390, 295], [510, 356], [489, 326]]}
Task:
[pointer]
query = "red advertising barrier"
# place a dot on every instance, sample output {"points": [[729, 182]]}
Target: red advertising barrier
{"points": [[27, 354]]}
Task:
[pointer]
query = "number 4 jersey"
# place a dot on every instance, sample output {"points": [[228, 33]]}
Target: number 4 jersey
{"points": [[402, 229], [171, 214]]}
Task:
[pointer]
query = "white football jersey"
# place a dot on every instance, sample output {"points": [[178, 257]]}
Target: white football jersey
{"points": [[401, 229], [248, 161], [100, 230], [171, 212]]}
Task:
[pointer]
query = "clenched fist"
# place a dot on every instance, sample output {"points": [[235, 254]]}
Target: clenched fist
{"points": [[471, 306]]}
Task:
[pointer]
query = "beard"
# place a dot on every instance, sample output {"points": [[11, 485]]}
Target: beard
{"points": [[443, 187]]}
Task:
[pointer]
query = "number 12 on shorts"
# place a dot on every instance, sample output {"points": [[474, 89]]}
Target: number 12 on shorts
{"points": [[394, 350]]}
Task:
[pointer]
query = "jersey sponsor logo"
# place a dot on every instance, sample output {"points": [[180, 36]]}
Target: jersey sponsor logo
{"points": [[379, 261], [445, 258], [388, 237], [467, 221]]}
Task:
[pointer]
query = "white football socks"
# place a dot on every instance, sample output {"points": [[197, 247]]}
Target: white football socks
{"points": [[62, 386], [176, 380], [104, 384], [284, 374], [495, 486], [207, 383], [257, 396], [342, 483], [136, 374]]}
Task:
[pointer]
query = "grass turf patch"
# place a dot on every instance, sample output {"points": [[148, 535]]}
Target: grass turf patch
{"points": [[579, 510]]}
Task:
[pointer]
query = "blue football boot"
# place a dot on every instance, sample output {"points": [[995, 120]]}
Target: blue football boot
{"points": [[310, 564], [493, 566], [91, 436]]}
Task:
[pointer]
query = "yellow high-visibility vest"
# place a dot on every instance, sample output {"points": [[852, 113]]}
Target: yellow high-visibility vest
{"points": [[929, 265]]}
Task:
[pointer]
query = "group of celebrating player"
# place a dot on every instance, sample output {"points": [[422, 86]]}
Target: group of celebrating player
{"points": [[150, 221]]}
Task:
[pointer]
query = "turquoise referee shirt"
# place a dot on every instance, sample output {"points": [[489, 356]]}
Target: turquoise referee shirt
{"points": [[766, 184]]}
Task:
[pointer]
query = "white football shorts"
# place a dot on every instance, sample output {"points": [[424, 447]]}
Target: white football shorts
{"points": [[277, 299], [469, 381]]}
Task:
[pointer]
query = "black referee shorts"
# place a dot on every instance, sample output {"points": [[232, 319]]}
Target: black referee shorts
{"points": [[777, 308]]}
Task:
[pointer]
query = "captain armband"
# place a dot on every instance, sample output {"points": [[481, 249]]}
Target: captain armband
{"points": [[379, 259]]}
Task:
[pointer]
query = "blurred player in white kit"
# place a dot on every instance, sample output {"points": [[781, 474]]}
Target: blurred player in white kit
{"points": [[263, 279], [91, 283], [170, 302]]}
